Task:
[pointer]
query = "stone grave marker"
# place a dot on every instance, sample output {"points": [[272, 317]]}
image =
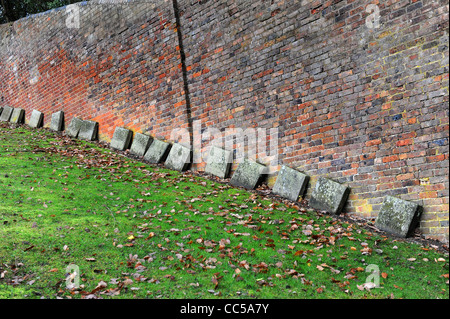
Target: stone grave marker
{"points": [[219, 162], [121, 139], [157, 152], [6, 114], [18, 116], [74, 127], [290, 183], [398, 217], [57, 122], [248, 174], [36, 119], [179, 158], [329, 196], [140, 145], [88, 131]]}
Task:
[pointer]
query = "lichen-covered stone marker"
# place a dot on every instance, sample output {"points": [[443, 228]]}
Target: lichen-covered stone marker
{"points": [[6, 114], [18, 116], [74, 127], [248, 174], [88, 131], [36, 119], [57, 122], [157, 152], [121, 139], [179, 158], [140, 145], [290, 183], [398, 217], [219, 162], [329, 196]]}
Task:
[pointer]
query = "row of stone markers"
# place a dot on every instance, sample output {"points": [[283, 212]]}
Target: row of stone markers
{"points": [[17, 116], [396, 216]]}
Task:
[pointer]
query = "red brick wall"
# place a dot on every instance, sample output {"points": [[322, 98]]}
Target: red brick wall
{"points": [[121, 67], [363, 106]]}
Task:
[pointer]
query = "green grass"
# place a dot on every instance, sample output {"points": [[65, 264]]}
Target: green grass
{"points": [[148, 232]]}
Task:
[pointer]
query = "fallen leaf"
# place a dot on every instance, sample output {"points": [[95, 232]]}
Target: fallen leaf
{"points": [[366, 286], [215, 281], [127, 282], [102, 284], [369, 285], [384, 275]]}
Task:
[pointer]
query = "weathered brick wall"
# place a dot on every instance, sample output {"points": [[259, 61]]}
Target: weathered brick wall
{"points": [[361, 105], [120, 68], [366, 107]]}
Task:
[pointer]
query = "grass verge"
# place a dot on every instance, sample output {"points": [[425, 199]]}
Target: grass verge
{"points": [[140, 231]]}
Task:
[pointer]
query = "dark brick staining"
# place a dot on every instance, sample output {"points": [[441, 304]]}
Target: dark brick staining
{"points": [[365, 107]]}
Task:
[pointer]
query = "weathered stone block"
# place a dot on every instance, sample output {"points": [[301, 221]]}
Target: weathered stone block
{"points": [[157, 152], [6, 114], [36, 119], [74, 127], [88, 131], [398, 217], [121, 139], [248, 174], [141, 143], [18, 116], [219, 162], [290, 183], [179, 158], [329, 196], [57, 122]]}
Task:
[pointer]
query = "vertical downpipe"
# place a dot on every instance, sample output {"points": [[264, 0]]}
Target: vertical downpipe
{"points": [[185, 77]]}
